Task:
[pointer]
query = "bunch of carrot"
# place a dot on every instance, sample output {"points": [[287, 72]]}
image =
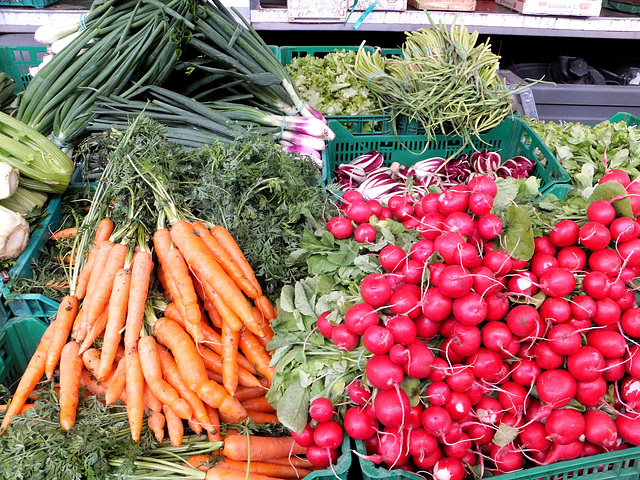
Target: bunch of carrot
{"points": [[202, 361]]}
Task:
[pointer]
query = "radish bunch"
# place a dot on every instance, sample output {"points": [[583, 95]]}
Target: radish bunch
{"points": [[479, 358], [324, 437]]}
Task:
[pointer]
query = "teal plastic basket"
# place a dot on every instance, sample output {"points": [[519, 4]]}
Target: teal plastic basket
{"points": [[19, 339], [15, 61], [628, 118]]}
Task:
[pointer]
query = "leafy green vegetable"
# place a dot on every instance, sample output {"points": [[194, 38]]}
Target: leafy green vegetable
{"points": [[517, 239], [609, 191]]}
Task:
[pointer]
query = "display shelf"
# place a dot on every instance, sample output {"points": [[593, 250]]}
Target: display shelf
{"points": [[488, 18]]}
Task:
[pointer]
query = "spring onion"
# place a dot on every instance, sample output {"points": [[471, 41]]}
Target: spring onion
{"points": [[14, 233]]}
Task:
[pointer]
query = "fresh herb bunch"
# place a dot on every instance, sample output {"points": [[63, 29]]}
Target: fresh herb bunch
{"points": [[35, 447]]}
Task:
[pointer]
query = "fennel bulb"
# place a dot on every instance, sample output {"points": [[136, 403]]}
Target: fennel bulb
{"points": [[14, 233]]}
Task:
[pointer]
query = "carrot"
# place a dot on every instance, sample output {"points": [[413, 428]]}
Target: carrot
{"points": [[192, 369], [138, 290], [115, 321], [231, 431], [70, 372], [153, 408], [30, 378], [206, 267], [240, 447], [215, 363], [152, 371], [255, 353], [24, 408], [258, 404], [78, 325], [265, 307], [229, 358], [95, 331], [214, 420], [98, 293], [262, 417], [163, 281], [201, 462], [117, 382], [64, 233], [101, 259], [174, 425], [91, 359], [268, 331], [226, 261], [297, 462], [195, 426], [265, 468], [212, 312], [99, 389], [248, 393], [220, 473], [175, 266], [67, 312], [172, 375], [225, 312], [103, 232], [134, 388], [226, 240]]}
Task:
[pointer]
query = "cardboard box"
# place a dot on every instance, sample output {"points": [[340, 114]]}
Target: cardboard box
{"points": [[382, 5], [574, 8], [317, 10], [451, 5]]}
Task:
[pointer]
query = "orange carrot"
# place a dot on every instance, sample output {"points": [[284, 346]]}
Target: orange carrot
{"points": [[226, 240], [256, 353], [134, 388], [212, 312], [115, 321], [268, 331], [102, 256], [175, 266], [231, 431], [201, 462], [262, 417], [29, 379], [236, 447], [265, 307], [116, 382], [258, 404], [91, 360], [70, 373], [196, 254], [297, 462], [214, 362], [103, 232], [138, 290], [95, 331], [172, 375], [67, 312], [78, 325], [221, 473], [214, 420], [174, 425], [229, 358], [155, 418], [226, 313], [226, 262], [265, 468], [64, 233], [152, 371], [243, 394], [192, 369], [163, 282], [25, 407], [195, 426], [90, 383], [99, 292]]}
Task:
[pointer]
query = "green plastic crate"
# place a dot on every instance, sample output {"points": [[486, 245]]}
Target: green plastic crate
{"points": [[15, 61], [287, 54], [511, 138], [19, 339], [341, 469], [28, 3], [628, 118], [620, 465]]}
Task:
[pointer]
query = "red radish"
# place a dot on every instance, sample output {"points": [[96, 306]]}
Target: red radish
{"points": [[396, 201], [513, 397], [465, 339], [616, 175], [406, 300], [607, 312], [523, 283], [489, 410], [448, 244], [630, 391], [382, 373], [459, 222], [596, 285], [305, 437], [398, 354], [628, 426], [583, 307], [470, 309], [411, 223], [633, 190], [324, 326], [321, 409], [375, 290], [498, 262], [630, 322], [541, 262], [427, 463], [572, 258], [357, 392], [429, 202], [556, 387], [601, 211], [486, 364], [522, 320], [555, 310], [392, 407], [422, 250], [617, 289], [589, 449], [421, 444], [545, 357], [436, 421], [439, 370], [489, 226], [344, 338], [447, 326], [403, 212], [525, 372], [465, 255], [506, 458], [483, 184], [594, 236], [374, 205], [627, 301], [365, 233], [630, 252], [484, 282], [448, 468], [431, 225], [438, 393], [377, 339], [560, 453], [623, 229], [412, 271], [340, 227], [533, 436], [359, 317], [392, 449], [614, 369], [385, 213], [564, 339], [392, 257], [453, 200], [557, 282], [496, 336], [590, 394], [518, 264], [480, 203], [610, 344], [420, 360], [497, 306], [328, 434], [358, 423], [403, 329], [537, 412], [632, 361], [544, 245], [455, 281], [425, 327], [600, 429], [564, 233], [564, 426], [449, 353], [461, 379], [359, 211], [322, 457], [458, 406], [352, 195], [606, 260], [586, 364], [459, 448], [435, 269]]}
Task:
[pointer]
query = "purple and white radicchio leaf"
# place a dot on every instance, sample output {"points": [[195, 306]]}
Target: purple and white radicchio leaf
{"points": [[457, 170], [350, 174], [368, 161], [485, 162], [426, 167], [376, 186]]}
